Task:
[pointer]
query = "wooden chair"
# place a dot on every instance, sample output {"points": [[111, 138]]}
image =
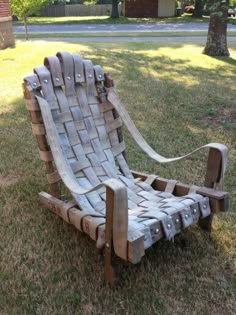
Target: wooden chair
{"points": [[77, 119]]}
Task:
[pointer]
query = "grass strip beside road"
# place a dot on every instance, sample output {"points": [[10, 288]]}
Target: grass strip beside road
{"points": [[115, 34], [186, 18]]}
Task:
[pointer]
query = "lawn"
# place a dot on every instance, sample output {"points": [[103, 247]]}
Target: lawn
{"points": [[185, 18], [179, 99]]}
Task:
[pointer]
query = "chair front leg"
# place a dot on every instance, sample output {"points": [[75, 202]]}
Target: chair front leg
{"points": [[212, 178], [116, 232]]}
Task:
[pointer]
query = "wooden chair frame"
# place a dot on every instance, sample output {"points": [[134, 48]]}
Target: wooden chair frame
{"points": [[116, 196]]}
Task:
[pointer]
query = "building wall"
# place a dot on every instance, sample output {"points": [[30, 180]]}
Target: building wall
{"points": [[149, 8], [166, 8], [141, 8], [6, 33]]}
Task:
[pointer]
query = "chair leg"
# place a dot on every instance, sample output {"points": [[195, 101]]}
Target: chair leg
{"points": [[206, 223], [109, 270]]}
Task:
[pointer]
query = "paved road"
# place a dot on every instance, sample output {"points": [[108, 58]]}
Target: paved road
{"points": [[84, 28], [180, 39]]}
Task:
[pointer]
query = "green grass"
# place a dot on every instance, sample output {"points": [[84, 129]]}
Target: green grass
{"points": [[116, 34], [179, 99], [186, 18]]}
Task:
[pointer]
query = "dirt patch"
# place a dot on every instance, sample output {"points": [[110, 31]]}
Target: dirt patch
{"points": [[219, 118], [8, 180]]}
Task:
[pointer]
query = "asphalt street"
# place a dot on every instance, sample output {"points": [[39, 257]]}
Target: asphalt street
{"points": [[85, 28]]}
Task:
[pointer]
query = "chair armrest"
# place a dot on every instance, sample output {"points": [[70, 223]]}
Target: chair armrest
{"points": [[220, 148]]}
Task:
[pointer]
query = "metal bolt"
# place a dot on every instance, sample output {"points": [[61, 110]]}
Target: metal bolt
{"points": [[90, 76], [157, 231], [100, 76], [78, 75], [45, 81], [34, 84], [186, 216], [107, 245], [68, 78], [194, 210], [57, 79], [204, 206], [169, 226], [177, 221]]}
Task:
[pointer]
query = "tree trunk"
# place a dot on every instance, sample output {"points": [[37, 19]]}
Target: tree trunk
{"points": [[198, 8], [217, 32], [114, 11], [26, 27]]}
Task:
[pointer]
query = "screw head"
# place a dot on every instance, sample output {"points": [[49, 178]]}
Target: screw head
{"points": [[45, 81], [169, 226], [204, 206], [100, 76], [186, 216], [194, 210], [78, 75], [157, 231], [107, 245], [177, 221], [34, 84], [68, 78], [90, 76], [57, 79]]}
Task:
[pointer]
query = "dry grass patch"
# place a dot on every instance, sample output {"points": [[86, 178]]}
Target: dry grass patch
{"points": [[46, 266]]}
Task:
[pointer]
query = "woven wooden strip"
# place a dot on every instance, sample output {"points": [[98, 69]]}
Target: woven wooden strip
{"points": [[98, 149], [63, 117], [92, 197], [47, 87], [91, 176], [118, 149], [38, 129], [99, 76], [128, 182], [117, 123], [99, 121], [90, 80], [45, 156], [66, 147], [32, 105], [145, 186], [67, 68], [106, 106], [134, 197], [99, 170], [83, 101], [149, 196], [79, 165], [53, 65], [53, 177], [90, 126], [110, 156], [93, 159], [109, 169], [33, 81], [78, 68], [91, 224], [72, 133], [170, 186], [95, 110], [124, 166]]}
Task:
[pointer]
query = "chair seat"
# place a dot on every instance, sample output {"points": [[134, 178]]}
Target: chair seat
{"points": [[155, 214]]}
